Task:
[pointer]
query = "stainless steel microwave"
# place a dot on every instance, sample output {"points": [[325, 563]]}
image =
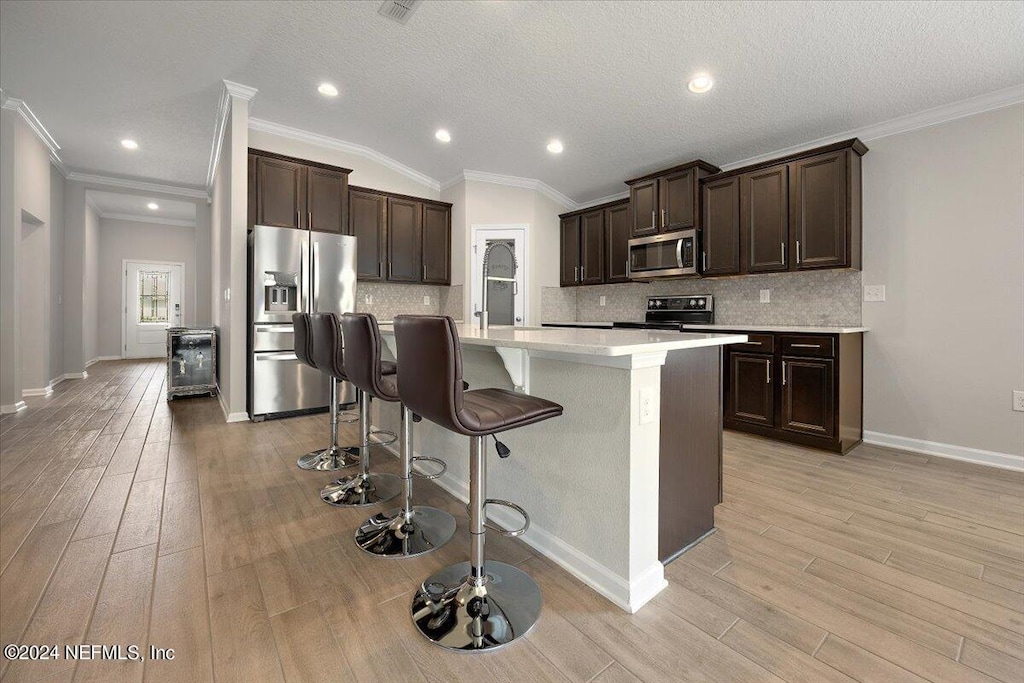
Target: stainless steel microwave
{"points": [[673, 254]]}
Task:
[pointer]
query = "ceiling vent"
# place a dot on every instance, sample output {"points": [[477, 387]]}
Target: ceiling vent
{"points": [[398, 10]]}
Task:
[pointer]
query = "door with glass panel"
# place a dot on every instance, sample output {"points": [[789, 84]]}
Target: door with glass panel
{"points": [[152, 298]]}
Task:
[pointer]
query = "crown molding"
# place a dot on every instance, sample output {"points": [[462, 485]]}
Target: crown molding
{"points": [[264, 126], [245, 92], [231, 89], [1007, 97], [144, 219], [142, 185], [513, 181], [33, 122], [603, 200]]}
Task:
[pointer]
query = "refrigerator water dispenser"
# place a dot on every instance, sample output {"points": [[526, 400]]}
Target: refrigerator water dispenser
{"points": [[281, 291]]}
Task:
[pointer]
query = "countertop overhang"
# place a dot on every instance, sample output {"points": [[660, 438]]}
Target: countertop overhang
{"points": [[797, 329], [594, 342]]}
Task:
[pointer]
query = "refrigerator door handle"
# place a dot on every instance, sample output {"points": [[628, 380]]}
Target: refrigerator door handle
{"points": [[315, 276], [303, 282]]}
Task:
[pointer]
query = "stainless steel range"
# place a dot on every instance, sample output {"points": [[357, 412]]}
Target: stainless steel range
{"points": [[672, 312]]}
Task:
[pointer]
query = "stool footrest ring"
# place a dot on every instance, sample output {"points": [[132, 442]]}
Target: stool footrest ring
{"points": [[436, 461], [381, 437], [508, 504]]}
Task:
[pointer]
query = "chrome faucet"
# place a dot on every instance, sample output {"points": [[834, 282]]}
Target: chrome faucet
{"points": [[493, 278]]}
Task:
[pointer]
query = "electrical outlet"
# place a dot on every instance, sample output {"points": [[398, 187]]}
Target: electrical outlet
{"points": [[60, 299], [1018, 401], [227, 294], [766, 296], [647, 405], [368, 299], [874, 292], [603, 301], [426, 301]]}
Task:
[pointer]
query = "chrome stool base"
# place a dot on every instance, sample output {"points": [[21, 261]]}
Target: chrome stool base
{"points": [[390, 534], [453, 613], [361, 490], [329, 459]]}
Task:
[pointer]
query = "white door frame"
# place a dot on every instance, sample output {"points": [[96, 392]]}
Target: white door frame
{"points": [[124, 294], [478, 234]]}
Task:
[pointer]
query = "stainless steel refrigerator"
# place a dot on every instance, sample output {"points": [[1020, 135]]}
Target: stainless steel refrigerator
{"points": [[293, 271]]}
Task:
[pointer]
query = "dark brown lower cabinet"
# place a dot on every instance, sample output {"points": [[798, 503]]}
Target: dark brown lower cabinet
{"points": [[751, 392], [805, 388]]}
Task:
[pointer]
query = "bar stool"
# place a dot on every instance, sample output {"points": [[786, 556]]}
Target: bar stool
{"points": [[408, 530], [362, 488], [334, 457], [471, 605]]}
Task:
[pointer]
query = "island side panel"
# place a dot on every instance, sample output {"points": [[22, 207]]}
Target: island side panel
{"points": [[691, 447]]}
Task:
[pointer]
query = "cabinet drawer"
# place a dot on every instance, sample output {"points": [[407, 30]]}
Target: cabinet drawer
{"points": [[793, 345], [756, 343]]}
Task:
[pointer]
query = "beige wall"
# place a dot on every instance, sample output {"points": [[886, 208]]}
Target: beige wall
{"points": [[492, 204], [944, 232], [128, 240], [365, 172], [90, 286], [56, 341]]}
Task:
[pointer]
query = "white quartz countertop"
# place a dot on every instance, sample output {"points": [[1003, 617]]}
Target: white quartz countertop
{"points": [[781, 328], [597, 342]]}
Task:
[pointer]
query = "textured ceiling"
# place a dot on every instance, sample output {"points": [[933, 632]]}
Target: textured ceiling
{"points": [[608, 78], [119, 205]]}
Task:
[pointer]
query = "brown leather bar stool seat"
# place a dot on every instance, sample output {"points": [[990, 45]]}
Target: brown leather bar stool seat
{"points": [[362, 488], [408, 530], [473, 605], [334, 457]]}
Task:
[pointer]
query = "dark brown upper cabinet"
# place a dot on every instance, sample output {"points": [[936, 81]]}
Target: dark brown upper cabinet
{"points": [[820, 211], [437, 244], [643, 203], [800, 212], [292, 193], [616, 246], [367, 214], [592, 247], [569, 268], [668, 200], [280, 194], [720, 249], [404, 245], [326, 199], [764, 198]]}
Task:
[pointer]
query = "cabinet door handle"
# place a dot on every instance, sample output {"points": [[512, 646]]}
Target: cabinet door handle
{"points": [[768, 371], [783, 253], [806, 346], [309, 220], [753, 343], [663, 218], [798, 252], [628, 274], [582, 271], [654, 220], [390, 269], [424, 272], [298, 219], [380, 269], [704, 261], [575, 273], [783, 373]]}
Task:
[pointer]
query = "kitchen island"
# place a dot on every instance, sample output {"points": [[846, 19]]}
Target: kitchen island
{"points": [[628, 477]]}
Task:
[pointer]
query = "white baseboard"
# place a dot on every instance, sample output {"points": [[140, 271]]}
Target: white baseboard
{"points": [[40, 391], [75, 375], [97, 359], [13, 408], [228, 415], [57, 380], [629, 596], [1006, 461]]}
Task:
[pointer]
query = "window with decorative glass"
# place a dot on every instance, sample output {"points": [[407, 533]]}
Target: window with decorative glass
{"points": [[153, 298]]}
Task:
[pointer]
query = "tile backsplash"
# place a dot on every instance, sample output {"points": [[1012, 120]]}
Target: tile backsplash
{"points": [[389, 299], [827, 297]]}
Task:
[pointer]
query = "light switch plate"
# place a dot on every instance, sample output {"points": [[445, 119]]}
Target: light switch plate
{"points": [[426, 301], [603, 300], [648, 405], [1018, 401], [227, 294], [766, 296], [368, 299], [874, 292]]}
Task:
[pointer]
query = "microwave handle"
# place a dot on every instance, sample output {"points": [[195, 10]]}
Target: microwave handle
{"points": [[679, 252]]}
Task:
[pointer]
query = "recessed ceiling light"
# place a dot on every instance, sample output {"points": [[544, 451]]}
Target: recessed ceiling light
{"points": [[700, 83], [129, 144], [328, 90], [152, 206], [555, 147], [443, 135]]}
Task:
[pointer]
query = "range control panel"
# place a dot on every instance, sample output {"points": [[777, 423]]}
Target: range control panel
{"points": [[695, 302]]}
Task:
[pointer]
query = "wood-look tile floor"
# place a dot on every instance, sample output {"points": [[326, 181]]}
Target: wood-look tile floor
{"points": [[128, 520]]}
